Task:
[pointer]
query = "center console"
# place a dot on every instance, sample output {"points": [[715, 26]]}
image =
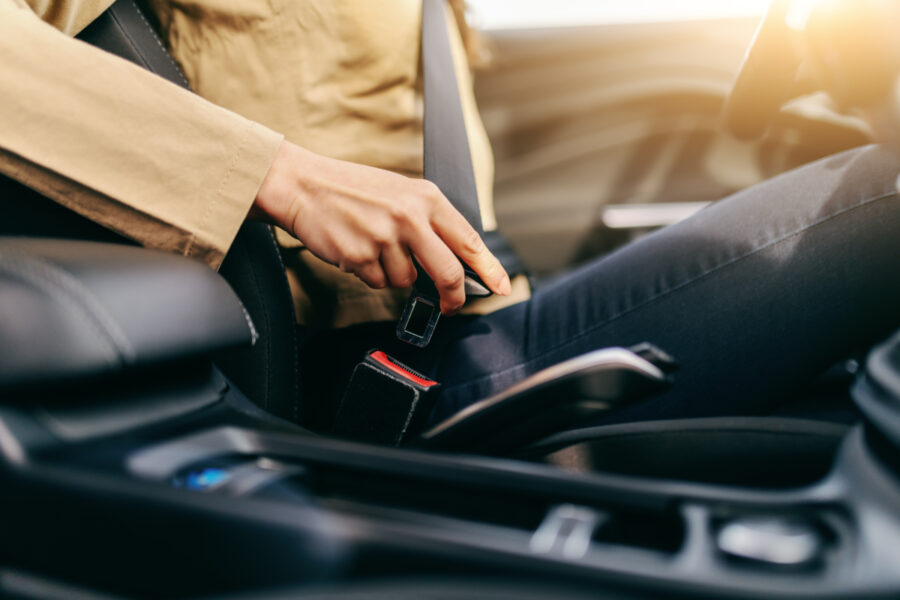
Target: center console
{"points": [[217, 497], [163, 480]]}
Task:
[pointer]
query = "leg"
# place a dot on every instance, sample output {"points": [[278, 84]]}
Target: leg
{"points": [[754, 296]]}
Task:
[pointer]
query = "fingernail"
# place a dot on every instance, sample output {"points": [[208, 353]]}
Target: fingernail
{"points": [[505, 286]]}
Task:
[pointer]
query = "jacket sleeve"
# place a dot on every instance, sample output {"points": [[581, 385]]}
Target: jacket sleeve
{"points": [[120, 145], [69, 16]]}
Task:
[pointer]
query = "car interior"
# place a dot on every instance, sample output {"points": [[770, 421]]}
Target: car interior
{"points": [[148, 451]]}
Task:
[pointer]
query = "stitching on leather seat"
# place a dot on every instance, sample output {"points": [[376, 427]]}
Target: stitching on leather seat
{"points": [[159, 42], [266, 323], [295, 382], [253, 333]]}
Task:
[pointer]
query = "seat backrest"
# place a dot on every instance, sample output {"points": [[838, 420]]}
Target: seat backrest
{"points": [[267, 373]]}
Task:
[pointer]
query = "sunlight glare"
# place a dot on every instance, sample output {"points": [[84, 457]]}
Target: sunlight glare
{"points": [[799, 12], [519, 14]]}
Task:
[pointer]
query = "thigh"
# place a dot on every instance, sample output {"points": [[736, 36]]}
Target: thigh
{"points": [[753, 296]]}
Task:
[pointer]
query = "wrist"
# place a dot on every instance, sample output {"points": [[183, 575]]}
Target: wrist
{"points": [[275, 201]]}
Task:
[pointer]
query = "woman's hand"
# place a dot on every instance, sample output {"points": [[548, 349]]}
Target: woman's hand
{"points": [[370, 222]]}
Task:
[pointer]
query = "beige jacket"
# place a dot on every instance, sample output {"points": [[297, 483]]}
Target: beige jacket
{"points": [[174, 171], [117, 144]]}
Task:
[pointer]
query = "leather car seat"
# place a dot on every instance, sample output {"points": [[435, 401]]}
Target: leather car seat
{"points": [[267, 372]]}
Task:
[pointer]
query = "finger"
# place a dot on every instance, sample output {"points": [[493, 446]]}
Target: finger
{"points": [[372, 275], [398, 266], [463, 240], [444, 269]]}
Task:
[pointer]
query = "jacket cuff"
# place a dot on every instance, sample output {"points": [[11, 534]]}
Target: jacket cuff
{"points": [[227, 208]]}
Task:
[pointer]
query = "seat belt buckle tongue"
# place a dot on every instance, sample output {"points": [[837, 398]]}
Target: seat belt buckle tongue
{"points": [[419, 318], [386, 402], [423, 309]]}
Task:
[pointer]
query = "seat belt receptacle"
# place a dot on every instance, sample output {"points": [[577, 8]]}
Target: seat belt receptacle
{"points": [[385, 402]]}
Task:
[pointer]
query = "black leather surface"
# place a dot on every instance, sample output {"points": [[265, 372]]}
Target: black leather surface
{"points": [[82, 309], [267, 373], [123, 30]]}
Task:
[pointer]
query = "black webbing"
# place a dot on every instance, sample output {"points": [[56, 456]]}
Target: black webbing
{"points": [[448, 160]]}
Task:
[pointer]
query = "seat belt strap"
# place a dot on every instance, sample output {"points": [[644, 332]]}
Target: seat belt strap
{"points": [[447, 164], [448, 157], [448, 160]]}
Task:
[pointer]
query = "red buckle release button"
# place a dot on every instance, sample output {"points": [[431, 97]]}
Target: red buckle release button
{"points": [[386, 361]]}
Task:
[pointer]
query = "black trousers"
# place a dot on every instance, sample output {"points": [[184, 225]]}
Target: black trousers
{"points": [[754, 296]]}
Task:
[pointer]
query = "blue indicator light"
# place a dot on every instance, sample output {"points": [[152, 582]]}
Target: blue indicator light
{"points": [[205, 479]]}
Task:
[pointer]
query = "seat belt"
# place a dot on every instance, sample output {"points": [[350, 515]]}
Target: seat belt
{"points": [[448, 164], [448, 160]]}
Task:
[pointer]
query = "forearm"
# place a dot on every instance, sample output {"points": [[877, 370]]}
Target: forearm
{"points": [[122, 146]]}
